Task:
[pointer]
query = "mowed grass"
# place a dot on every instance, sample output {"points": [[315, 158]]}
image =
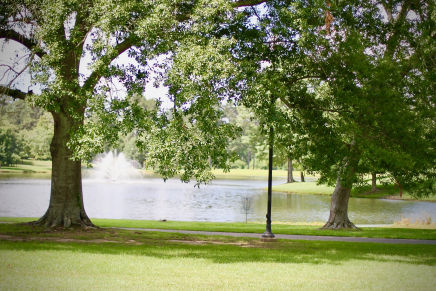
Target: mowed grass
{"points": [[44, 167], [249, 173], [304, 188], [126, 260], [27, 167], [278, 228], [383, 191]]}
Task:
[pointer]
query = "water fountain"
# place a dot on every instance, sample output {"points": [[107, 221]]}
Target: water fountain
{"points": [[113, 166]]}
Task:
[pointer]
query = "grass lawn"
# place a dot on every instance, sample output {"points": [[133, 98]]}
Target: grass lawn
{"points": [[383, 191], [304, 188], [243, 174], [28, 167], [44, 167], [103, 259], [248, 173], [279, 228]]}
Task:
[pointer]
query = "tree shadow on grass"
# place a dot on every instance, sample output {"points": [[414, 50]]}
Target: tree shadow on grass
{"points": [[222, 249]]}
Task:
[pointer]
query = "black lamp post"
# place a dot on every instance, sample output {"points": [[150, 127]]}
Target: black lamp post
{"points": [[268, 234]]}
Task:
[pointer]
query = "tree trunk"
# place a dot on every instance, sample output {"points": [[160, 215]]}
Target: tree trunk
{"points": [[400, 187], [66, 198], [338, 218], [302, 176], [339, 208], [290, 170], [374, 182]]}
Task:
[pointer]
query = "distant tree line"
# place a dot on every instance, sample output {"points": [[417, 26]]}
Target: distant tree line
{"points": [[25, 132]]}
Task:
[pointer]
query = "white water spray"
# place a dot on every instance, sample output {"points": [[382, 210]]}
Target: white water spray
{"points": [[114, 166]]}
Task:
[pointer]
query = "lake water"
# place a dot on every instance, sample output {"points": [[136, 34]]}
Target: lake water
{"points": [[220, 201]]}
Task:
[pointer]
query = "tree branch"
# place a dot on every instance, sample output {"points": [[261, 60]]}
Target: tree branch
{"points": [[28, 43], [96, 75], [126, 44], [235, 4], [315, 107], [243, 3], [294, 80], [14, 93]]}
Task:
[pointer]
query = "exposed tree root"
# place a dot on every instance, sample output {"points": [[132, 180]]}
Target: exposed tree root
{"points": [[339, 224], [55, 219]]}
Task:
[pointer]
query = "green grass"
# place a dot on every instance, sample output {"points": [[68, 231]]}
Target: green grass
{"points": [[162, 261], [248, 173], [374, 232], [237, 174], [383, 191], [304, 188], [28, 167], [44, 167], [242, 174]]}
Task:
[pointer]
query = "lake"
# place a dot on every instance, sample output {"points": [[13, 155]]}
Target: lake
{"points": [[220, 201]]}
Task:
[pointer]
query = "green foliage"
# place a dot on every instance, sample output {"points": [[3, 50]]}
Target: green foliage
{"points": [[66, 34], [37, 141], [249, 146], [337, 83], [189, 145], [352, 95], [33, 127], [10, 148]]}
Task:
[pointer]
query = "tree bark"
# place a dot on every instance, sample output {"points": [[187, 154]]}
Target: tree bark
{"points": [[66, 207], [338, 218], [290, 171], [373, 182], [400, 188], [302, 176]]}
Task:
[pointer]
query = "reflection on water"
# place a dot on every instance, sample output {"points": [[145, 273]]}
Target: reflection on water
{"points": [[222, 200]]}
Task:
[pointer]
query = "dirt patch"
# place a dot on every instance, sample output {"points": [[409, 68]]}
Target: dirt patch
{"points": [[131, 241], [55, 239], [206, 242]]}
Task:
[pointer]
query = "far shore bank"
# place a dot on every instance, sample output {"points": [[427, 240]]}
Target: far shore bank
{"points": [[42, 169], [382, 192]]}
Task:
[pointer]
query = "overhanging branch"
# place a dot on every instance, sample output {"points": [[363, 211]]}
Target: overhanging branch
{"points": [[28, 43], [126, 44], [14, 93], [243, 3], [235, 4], [314, 107], [118, 50]]}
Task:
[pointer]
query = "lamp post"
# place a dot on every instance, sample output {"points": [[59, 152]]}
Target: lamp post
{"points": [[268, 234]]}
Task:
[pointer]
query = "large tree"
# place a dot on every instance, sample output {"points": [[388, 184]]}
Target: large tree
{"points": [[383, 119], [74, 52], [356, 78]]}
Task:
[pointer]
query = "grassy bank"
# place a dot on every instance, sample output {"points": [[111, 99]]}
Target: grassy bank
{"points": [[304, 188], [383, 191], [248, 173], [278, 228], [28, 167], [38, 168], [44, 167], [31, 258]]}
